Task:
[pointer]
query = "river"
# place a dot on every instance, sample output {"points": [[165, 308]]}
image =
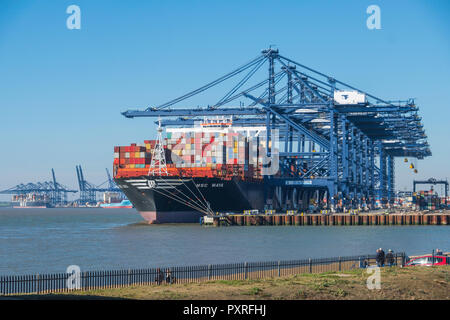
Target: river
{"points": [[49, 240]]}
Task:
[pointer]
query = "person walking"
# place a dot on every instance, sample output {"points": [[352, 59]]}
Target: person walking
{"points": [[390, 258]]}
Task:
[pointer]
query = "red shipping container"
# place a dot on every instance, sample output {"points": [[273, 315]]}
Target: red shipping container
{"points": [[116, 149]]}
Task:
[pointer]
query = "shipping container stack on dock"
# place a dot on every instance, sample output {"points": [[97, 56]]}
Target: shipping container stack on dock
{"points": [[427, 200]]}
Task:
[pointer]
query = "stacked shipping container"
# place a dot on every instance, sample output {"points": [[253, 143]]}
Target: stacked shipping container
{"points": [[427, 200], [196, 153], [132, 157]]}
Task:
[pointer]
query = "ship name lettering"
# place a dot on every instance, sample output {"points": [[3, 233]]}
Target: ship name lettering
{"points": [[217, 185]]}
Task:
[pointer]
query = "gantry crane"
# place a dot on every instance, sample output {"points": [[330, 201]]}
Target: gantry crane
{"points": [[88, 191], [337, 142], [433, 181], [56, 192], [112, 187]]}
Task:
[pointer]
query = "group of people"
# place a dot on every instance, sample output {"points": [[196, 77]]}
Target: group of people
{"points": [[167, 277], [382, 258]]}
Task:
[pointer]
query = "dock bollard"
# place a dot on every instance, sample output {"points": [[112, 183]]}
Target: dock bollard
{"points": [[408, 219], [417, 219], [287, 220], [277, 220], [297, 220], [305, 220], [435, 219], [391, 219], [259, 220]]}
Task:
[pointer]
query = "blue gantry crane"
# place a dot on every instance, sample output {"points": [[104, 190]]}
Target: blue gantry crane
{"points": [[111, 186], [336, 141], [56, 192], [88, 191]]}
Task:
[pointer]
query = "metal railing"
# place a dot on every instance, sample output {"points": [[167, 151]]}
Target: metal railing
{"points": [[89, 280]]}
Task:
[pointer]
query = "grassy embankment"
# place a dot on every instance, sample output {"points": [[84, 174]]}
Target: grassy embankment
{"points": [[396, 283]]}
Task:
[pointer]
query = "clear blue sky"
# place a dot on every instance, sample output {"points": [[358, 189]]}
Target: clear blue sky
{"points": [[62, 91]]}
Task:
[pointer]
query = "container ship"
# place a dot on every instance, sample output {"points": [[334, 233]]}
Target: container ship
{"points": [[31, 200], [114, 200], [124, 204], [192, 172]]}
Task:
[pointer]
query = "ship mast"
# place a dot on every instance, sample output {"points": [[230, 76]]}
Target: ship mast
{"points": [[158, 163]]}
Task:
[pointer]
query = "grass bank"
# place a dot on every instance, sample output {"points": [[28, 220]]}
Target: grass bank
{"points": [[396, 283]]}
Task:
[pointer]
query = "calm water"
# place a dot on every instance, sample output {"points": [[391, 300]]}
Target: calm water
{"points": [[49, 240]]}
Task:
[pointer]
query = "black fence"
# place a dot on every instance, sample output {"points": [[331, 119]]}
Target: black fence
{"points": [[89, 280]]}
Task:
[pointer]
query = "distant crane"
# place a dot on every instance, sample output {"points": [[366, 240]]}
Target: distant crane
{"points": [[112, 187], [88, 191], [432, 181], [56, 192]]}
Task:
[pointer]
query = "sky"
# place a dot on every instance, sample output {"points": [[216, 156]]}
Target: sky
{"points": [[62, 90]]}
